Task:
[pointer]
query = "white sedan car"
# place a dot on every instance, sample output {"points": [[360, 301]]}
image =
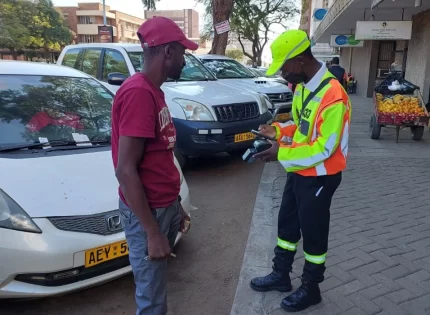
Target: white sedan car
{"points": [[60, 228]]}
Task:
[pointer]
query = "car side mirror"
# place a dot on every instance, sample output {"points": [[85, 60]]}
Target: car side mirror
{"points": [[116, 78]]}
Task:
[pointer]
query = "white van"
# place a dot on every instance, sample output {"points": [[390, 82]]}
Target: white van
{"points": [[209, 117]]}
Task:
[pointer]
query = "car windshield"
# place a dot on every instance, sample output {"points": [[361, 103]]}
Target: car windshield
{"points": [[38, 108], [228, 69], [193, 70]]}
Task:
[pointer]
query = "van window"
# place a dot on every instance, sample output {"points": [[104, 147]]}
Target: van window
{"points": [[90, 62], [70, 57], [113, 61], [53, 107]]}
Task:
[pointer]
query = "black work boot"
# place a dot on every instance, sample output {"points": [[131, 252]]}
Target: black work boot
{"points": [[306, 295], [272, 282]]}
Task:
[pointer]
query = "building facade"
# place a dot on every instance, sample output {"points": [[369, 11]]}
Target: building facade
{"points": [[86, 19], [187, 20], [396, 37], [313, 11]]}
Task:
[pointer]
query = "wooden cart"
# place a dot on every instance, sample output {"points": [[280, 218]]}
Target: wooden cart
{"points": [[416, 123]]}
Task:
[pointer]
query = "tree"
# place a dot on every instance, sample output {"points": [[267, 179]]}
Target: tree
{"points": [[32, 25], [14, 34], [149, 4], [217, 11], [236, 54], [253, 20]]}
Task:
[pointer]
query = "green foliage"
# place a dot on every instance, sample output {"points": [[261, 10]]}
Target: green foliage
{"points": [[236, 54], [253, 20], [32, 25], [149, 4]]}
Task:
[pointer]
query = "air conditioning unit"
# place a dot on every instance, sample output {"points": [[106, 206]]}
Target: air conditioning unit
{"points": [[382, 73]]}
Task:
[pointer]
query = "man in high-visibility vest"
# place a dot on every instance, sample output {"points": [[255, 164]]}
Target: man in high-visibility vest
{"points": [[314, 161]]}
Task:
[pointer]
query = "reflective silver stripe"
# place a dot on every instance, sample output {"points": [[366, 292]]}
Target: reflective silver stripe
{"points": [[286, 124], [320, 259], [314, 132], [320, 169], [315, 159], [287, 245], [295, 48], [316, 99], [345, 139], [297, 92]]}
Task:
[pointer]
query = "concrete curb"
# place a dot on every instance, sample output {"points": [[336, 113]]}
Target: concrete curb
{"points": [[258, 256]]}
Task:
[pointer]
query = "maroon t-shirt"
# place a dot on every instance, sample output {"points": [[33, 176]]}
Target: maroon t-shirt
{"points": [[140, 110]]}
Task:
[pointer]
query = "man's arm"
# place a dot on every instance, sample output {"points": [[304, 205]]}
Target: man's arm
{"points": [[130, 153], [329, 130]]}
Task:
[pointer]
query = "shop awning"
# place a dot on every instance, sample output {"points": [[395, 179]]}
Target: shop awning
{"points": [[343, 15]]}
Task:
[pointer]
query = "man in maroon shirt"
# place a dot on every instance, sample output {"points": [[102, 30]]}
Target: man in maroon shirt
{"points": [[143, 136]]}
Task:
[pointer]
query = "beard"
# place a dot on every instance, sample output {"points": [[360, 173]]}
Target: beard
{"points": [[295, 78]]}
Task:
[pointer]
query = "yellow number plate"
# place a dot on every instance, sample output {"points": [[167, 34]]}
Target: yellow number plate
{"points": [[284, 116], [105, 253], [244, 137]]}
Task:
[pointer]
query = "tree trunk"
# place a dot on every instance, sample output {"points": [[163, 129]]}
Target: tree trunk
{"points": [[221, 10]]}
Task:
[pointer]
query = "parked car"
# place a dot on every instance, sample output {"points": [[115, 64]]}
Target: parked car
{"points": [[232, 73], [261, 72], [209, 116], [60, 228]]}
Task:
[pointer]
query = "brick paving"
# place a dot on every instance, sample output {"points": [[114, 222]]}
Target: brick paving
{"points": [[379, 247]]}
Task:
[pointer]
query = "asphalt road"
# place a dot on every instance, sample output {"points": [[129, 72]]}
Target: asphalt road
{"points": [[204, 275]]}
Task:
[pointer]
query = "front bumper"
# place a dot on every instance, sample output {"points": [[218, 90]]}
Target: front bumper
{"points": [[58, 253], [282, 113], [195, 138]]}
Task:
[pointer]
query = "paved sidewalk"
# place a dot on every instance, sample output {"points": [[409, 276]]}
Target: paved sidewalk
{"points": [[379, 248]]}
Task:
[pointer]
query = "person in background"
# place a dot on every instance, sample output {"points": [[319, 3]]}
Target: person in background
{"points": [[314, 163], [143, 137], [339, 72]]}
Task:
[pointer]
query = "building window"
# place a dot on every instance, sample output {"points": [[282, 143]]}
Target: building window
{"points": [[87, 38], [326, 3], [87, 20]]}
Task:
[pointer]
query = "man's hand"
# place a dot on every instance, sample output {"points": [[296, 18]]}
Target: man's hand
{"points": [[268, 131], [270, 154], [184, 227], [158, 246]]}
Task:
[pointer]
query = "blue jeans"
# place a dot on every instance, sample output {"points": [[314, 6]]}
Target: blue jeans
{"points": [[150, 276]]}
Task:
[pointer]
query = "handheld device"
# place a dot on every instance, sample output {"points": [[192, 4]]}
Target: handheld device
{"points": [[260, 135], [259, 146]]}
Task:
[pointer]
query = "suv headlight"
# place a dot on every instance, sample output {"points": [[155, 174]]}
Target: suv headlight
{"points": [[13, 217], [194, 110], [265, 101]]}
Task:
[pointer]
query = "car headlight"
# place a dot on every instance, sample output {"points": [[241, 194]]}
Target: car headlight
{"points": [[13, 217], [194, 110], [264, 100]]}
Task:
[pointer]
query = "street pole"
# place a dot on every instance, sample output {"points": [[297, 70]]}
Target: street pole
{"points": [[104, 12]]}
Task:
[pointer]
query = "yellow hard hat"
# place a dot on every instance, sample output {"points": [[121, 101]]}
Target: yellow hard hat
{"points": [[288, 45]]}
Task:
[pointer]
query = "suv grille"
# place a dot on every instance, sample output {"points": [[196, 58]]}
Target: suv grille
{"points": [[235, 112], [276, 98], [93, 224]]}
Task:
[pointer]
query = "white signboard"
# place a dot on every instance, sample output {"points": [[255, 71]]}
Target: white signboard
{"points": [[222, 27], [345, 41], [383, 30]]}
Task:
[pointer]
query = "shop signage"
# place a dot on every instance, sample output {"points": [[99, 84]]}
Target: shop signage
{"points": [[106, 33], [222, 27], [383, 30], [319, 14], [345, 41]]}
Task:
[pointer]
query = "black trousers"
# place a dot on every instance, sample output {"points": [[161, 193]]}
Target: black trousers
{"points": [[305, 210]]}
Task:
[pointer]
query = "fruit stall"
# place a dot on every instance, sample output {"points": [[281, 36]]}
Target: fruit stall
{"points": [[399, 104]]}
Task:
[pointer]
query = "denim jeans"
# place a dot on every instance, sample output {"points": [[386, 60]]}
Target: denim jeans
{"points": [[150, 276]]}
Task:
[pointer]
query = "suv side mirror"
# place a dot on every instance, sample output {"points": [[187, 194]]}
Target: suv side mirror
{"points": [[116, 78]]}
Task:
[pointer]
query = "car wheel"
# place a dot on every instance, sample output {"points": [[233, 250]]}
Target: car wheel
{"points": [[374, 128], [417, 132]]}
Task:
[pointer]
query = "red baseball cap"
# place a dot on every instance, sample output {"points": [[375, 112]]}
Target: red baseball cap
{"points": [[160, 30]]}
